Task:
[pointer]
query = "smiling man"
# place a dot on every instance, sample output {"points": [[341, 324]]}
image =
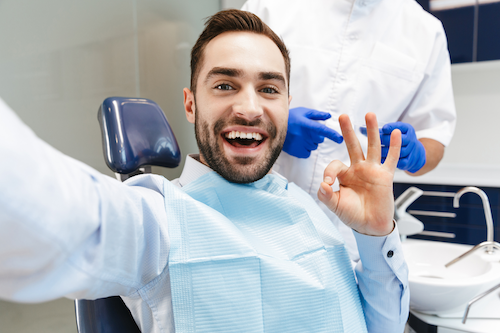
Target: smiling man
{"points": [[230, 246], [241, 104]]}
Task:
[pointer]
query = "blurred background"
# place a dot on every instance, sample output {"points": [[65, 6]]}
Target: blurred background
{"points": [[59, 59]]}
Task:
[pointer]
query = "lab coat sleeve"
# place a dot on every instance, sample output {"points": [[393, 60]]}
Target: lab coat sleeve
{"points": [[66, 229], [432, 109], [382, 276]]}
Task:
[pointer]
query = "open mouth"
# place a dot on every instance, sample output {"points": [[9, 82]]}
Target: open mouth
{"points": [[243, 139]]}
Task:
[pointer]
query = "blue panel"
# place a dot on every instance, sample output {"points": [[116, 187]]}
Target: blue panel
{"points": [[488, 43], [135, 133], [474, 216], [464, 235], [459, 26], [104, 315], [420, 326], [424, 4], [469, 225], [467, 199]]}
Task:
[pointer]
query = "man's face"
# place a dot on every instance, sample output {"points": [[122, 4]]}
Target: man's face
{"points": [[240, 110]]}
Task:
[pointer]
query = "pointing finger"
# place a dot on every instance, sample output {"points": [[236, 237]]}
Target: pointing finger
{"points": [[325, 131]]}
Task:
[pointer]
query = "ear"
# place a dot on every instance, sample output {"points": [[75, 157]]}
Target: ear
{"points": [[289, 100], [189, 105]]}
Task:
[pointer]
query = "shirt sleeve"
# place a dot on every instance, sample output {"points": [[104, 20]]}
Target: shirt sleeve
{"points": [[432, 110], [68, 230], [382, 276]]}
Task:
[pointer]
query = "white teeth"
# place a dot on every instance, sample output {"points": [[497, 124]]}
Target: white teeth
{"points": [[243, 135]]}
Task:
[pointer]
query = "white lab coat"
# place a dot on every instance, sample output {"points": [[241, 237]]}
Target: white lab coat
{"points": [[389, 57]]}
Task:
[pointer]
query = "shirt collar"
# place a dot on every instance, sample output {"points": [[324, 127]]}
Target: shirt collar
{"points": [[194, 169]]}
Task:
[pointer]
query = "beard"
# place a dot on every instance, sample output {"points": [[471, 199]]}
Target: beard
{"points": [[244, 169]]}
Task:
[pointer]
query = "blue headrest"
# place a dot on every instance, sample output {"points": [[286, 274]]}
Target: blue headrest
{"points": [[136, 133]]}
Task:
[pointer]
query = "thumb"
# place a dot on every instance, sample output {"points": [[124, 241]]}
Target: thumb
{"points": [[325, 193], [328, 197]]}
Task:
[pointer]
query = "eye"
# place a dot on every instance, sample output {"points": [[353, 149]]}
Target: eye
{"points": [[269, 90], [224, 86]]}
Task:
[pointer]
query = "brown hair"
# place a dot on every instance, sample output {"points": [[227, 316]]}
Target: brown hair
{"points": [[232, 20]]}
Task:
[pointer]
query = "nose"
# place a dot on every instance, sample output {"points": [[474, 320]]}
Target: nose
{"points": [[247, 104]]}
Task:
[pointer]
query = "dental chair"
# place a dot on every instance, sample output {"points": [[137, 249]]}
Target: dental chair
{"points": [[135, 135]]}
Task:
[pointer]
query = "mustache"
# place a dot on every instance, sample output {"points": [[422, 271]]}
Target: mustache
{"points": [[221, 123]]}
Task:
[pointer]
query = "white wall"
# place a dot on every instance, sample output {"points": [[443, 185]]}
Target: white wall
{"points": [[60, 59], [237, 4], [477, 96]]}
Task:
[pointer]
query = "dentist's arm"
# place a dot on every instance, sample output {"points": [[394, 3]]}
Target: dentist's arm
{"points": [[434, 152]]}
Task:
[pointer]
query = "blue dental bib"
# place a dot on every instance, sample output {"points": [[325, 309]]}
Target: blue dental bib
{"points": [[259, 257]]}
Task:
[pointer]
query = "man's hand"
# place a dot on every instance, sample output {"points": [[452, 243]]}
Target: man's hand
{"points": [[305, 133], [365, 200]]}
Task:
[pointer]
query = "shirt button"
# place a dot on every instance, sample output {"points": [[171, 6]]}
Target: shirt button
{"points": [[342, 77], [390, 254]]}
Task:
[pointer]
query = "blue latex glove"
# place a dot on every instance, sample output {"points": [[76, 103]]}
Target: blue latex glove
{"points": [[305, 133], [412, 155]]}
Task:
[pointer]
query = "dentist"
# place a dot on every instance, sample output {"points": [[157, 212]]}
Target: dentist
{"points": [[388, 57]]}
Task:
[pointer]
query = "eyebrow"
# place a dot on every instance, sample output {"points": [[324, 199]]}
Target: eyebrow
{"points": [[272, 76], [233, 72]]}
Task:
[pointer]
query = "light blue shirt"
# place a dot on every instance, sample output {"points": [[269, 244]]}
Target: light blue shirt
{"points": [[67, 230]]}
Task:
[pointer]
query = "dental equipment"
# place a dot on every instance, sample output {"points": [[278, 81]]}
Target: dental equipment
{"points": [[407, 224], [486, 208]]}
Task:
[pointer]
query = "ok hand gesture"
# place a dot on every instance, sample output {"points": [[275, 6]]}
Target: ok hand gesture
{"points": [[365, 200]]}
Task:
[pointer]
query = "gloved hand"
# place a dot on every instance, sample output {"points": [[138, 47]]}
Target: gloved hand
{"points": [[412, 155], [304, 133]]}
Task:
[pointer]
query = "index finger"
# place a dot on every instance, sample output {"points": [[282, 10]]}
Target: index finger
{"points": [[329, 133]]}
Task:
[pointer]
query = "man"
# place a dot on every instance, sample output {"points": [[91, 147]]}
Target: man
{"points": [[383, 56], [235, 250]]}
